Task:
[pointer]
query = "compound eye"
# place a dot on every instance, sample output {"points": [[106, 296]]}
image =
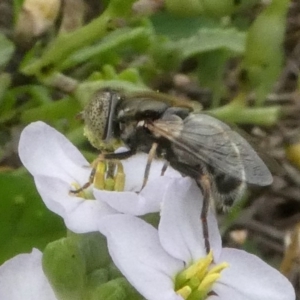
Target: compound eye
{"points": [[95, 116]]}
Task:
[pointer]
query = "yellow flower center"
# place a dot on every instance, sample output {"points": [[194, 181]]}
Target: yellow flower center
{"points": [[106, 175], [109, 176], [196, 281]]}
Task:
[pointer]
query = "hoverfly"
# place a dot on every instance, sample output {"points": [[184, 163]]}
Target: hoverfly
{"points": [[197, 145]]}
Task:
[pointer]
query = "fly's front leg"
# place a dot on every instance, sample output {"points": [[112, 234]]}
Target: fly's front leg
{"points": [[98, 167]]}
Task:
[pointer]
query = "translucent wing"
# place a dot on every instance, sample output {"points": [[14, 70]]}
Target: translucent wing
{"points": [[202, 137]]}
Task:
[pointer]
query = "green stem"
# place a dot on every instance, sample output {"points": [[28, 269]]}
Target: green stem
{"points": [[237, 113], [65, 44]]}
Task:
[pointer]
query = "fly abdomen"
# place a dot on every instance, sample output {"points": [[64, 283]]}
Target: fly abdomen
{"points": [[228, 189]]}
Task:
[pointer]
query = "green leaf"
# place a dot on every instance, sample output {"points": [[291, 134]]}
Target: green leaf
{"points": [[211, 70], [188, 8], [117, 289], [165, 54], [66, 109], [177, 27], [64, 266], [264, 53], [25, 222], [112, 44], [219, 8], [120, 8], [94, 250], [78, 268], [6, 50], [87, 89], [66, 44], [209, 39]]}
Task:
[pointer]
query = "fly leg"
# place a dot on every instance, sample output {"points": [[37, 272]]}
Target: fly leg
{"points": [[90, 181], [164, 168], [204, 184], [203, 180], [151, 155]]}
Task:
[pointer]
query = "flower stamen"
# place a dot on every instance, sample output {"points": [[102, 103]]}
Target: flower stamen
{"points": [[105, 175], [196, 281], [109, 176]]}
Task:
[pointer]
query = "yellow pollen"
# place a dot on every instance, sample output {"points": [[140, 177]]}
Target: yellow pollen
{"points": [[196, 281]]}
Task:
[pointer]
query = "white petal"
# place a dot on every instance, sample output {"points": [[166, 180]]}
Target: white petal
{"points": [[85, 217], [45, 151], [147, 201], [225, 292], [22, 277], [135, 249], [180, 227], [252, 278], [80, 215], [134, 168], [133, 200]]}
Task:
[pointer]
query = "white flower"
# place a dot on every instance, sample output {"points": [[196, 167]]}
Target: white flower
{"points": [[161, 264], [22, 277], [57, 165]]}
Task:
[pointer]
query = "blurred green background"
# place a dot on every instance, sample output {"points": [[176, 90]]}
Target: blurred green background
{"points": [[235, 58]]}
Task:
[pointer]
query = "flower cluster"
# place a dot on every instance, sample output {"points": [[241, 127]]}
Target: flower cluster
{"points": [[162, 262]]}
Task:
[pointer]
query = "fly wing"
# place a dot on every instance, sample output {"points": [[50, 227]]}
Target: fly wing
{"points": [[200, 137]]}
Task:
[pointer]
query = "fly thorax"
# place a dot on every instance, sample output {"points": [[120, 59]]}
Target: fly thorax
{"points": [[127, 131]]}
